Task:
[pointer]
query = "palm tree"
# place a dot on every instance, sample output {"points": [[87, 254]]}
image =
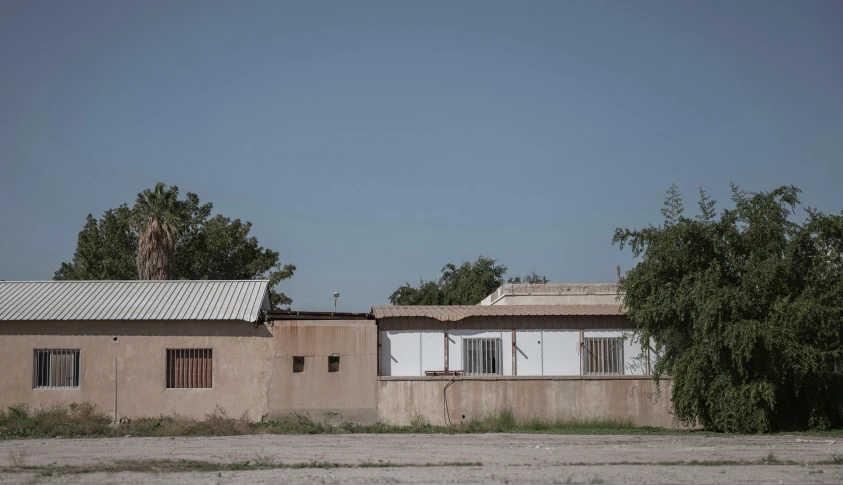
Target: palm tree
{"points": [[156, 215]]}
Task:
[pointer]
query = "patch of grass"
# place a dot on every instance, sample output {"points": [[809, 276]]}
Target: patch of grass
{"points": [[176, 466]]}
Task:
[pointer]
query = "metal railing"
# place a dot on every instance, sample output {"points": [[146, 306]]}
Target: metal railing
{"points": [[603, 356], [190, 368], [482, 356], [56, 369]]}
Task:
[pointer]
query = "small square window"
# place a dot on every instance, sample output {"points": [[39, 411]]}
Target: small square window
{"points": [[333, 363], [298, 365]]}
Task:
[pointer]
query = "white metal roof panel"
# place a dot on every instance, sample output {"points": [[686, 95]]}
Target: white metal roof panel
{"points": [[133, 300]]}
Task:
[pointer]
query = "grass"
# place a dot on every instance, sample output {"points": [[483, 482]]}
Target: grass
{"points": [[80, 420], [85, 420], [175, 466]]}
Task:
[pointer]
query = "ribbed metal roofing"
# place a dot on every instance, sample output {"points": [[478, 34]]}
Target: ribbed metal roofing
{"points": [[133, 300], [453, 313]]}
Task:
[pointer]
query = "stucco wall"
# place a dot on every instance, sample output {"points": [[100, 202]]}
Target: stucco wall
{"points": [[241, 355], [347, 395], [547, 398]]}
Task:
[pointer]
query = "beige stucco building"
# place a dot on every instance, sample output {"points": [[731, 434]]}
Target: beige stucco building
{"points": [[145, 348]]}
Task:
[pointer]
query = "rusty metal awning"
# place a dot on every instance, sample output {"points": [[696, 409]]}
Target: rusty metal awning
{"points": [[453, 313]]}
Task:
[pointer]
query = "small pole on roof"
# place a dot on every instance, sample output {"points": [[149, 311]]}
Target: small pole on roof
{"points": [[336, 295], [618, 270]]}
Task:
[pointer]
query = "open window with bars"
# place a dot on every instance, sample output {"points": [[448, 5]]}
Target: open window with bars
{"points": [[482, 356], [603, 355], [56, 369], [190, 368]]}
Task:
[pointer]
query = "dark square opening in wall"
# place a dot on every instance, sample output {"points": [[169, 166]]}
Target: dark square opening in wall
{"points": [[298, 365], [333, 363]]}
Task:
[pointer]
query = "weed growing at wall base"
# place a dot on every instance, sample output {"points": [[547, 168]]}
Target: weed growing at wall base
{"points": [[79, 420]]}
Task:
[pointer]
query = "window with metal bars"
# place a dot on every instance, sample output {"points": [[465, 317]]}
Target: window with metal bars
{"points": [[190, 368], [56, 369], [482, 356], [603, 355]]}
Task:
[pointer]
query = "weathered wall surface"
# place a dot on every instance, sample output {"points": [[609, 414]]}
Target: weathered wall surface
{"points": [[347, 395], [241, 357], [547, 398]]}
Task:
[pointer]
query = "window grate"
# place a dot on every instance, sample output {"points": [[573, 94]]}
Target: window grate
{"points": [[481, 356], [190, 368], [56, 369], [603, 356], [298, 364]]}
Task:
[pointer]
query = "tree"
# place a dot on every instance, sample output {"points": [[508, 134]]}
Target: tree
{"points": [[467, 284], [205, 247], [747, 309], [156, 216], [531, 278]]}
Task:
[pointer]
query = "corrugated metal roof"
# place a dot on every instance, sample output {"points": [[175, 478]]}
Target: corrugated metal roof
{"points": [[454, 313], [133, 300]]}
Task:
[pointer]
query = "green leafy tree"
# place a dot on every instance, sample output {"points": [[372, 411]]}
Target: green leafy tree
{"points": [[747, 309], [466, 284], [531, 278], [205, 247]]}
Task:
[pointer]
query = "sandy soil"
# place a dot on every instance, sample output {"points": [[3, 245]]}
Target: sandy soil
{"points": [[505, 458]]}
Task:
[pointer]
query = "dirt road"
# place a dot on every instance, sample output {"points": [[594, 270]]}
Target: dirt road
{"points": [[503, 458]]}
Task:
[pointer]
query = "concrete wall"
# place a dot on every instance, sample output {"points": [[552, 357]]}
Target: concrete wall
{"points": [[347, 395], [252, 367], [241, 357], [553, 294], [547, 398]]}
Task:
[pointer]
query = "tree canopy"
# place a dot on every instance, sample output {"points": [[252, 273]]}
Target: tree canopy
{"points": [[467, 284], [206, 247], [747, 308], [156, 217]]}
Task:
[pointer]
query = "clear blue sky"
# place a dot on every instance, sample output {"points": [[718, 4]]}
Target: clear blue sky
{"points": [[372, 142]]}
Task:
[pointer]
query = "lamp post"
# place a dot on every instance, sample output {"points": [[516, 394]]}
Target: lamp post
{"points": [[336, 295]]}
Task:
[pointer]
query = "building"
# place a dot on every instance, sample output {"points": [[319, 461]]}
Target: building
{"points": [[146, 348], [562, 361]]}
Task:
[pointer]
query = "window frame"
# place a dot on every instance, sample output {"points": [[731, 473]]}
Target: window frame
{"points": [[337, 357], [75, 369], [606, 358], [303, 362], [471, 345], [167, 354]]}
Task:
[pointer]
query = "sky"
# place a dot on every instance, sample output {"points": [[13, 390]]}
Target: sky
{"points": [[370, 143]]}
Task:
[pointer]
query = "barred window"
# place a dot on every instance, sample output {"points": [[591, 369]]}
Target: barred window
{"points": [[190, 368], [603, 356], [56, 369], [482, 356]]}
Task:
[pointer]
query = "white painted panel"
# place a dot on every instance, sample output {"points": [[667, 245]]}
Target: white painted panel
{"points": [[432, 350], [635, 362], [528, 352], [561, 352], [401, 353]]}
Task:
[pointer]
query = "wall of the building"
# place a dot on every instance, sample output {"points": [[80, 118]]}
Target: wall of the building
{"points": [[553, 294], [242, 358], [252, 367], [544, 346], [547, 398], [347, 395]]}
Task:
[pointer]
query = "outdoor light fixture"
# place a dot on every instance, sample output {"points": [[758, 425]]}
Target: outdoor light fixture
{"points": [[336, 295]]}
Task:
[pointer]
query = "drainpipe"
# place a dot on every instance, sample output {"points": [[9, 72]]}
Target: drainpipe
{"points": [[446, 351], [115, 379], [514, 351]]}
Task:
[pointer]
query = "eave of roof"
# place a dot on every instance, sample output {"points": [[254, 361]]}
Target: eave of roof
{"points": [[453, 313]]}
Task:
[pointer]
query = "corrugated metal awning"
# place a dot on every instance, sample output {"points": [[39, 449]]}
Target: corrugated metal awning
{"points": [[133, 300], [453, 313]]}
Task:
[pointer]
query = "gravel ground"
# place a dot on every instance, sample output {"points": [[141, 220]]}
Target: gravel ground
{"points": [[505, 458]]}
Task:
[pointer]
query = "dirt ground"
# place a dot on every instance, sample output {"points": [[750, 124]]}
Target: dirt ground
{"points": [[504, 458]]}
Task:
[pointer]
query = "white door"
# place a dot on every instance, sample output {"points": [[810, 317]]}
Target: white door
{"points": [[528, 352]]}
